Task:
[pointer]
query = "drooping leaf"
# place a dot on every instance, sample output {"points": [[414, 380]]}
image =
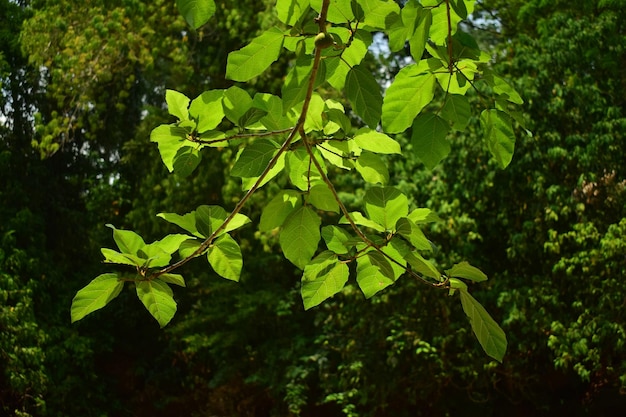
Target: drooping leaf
{"points": [[300, 236], [225, 257], [378, 142], [95, 295], [254, 159], [363, 91], [456, 110], [196, 12], [489, 334], [467, 271], [158, 299], [186, 161], [417, 41], [499, 135], [373, 273], [251, 60], [177, 104], [386, 205], [412, 89], [429, 139], [323, 277]]}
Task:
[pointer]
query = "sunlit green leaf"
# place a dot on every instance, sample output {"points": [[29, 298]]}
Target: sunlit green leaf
{"points": [[186, 161], [208, 110], [175, 279], [467, 271], [290, 11], [489, 334], [302, 172], [373, 273], [499, 135], [177, 104], [127, 240], [322, 198], [277, 210], [111, 256], [411, 232], [196, 12], [95, 295], [412, 89], [225, 257], [158, 299], [456, 110], [251, 60], [323, 277], [378, 142], [236, 102], [372, 168], [335, 238], [361, 220], [300, 236], [170, 139], [385, 206], [339, 11]]}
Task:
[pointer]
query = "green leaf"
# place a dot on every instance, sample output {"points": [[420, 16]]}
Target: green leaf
{"points": [[170, 139], [412, 89], [95, 295], [411, 232], [456, 110], [300, 236], [338, 153], [186, 161], [236, 103], [208, 110], [385, 206], [170, 243], [501, 87], [177, 104], [378, 142], [158, 299], [187, 221], [302, 172], [423, 215], [372, 168], [467, 271], [277, 210], [363, 92], [377, 13], [254, 159], [210, 218], [417, 41], [111, 256], [322, 198], [339, 11], [251, 60], [297, 80], [421, 265], [189, 247], [361, 220], [279, 166], [225, 257], [336, 239], [127, 240], [196, 12], [337, 68], [499, 135], [490, 336], [290, 11], [173, 279], [429, 139], [373, 273], [323, 277]]}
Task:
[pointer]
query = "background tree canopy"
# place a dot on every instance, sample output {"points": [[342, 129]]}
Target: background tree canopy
{"points": [[79, 99]]}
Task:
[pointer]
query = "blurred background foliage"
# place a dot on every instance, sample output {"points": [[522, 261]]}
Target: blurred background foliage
{"points": [[82, 84]]}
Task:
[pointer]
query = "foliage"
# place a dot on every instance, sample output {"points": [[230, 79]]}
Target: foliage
{"points": [[301, 133]]}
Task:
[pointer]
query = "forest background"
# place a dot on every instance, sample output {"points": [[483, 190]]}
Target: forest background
{"points": [[84, 84]]}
